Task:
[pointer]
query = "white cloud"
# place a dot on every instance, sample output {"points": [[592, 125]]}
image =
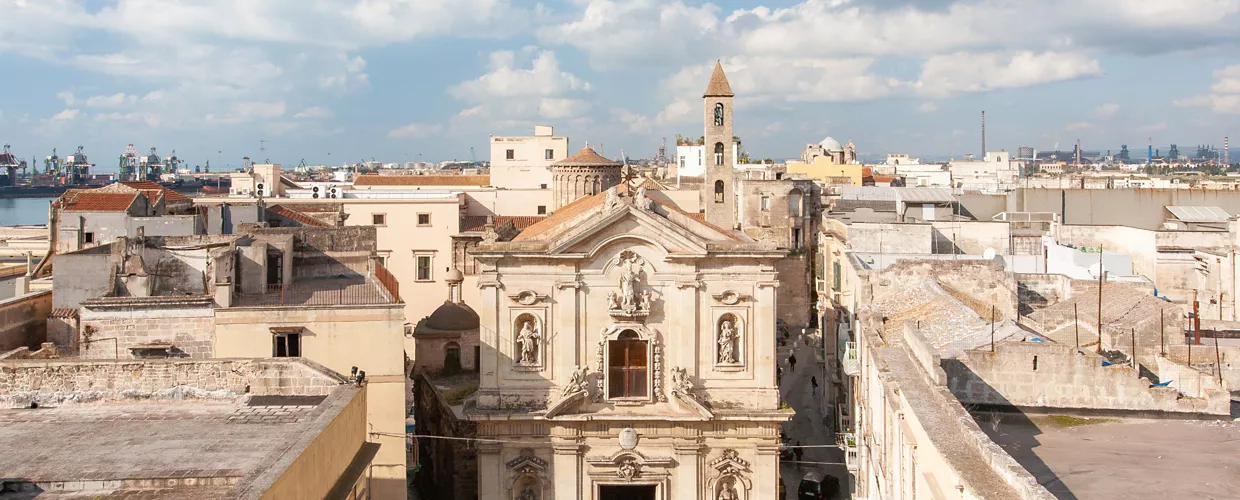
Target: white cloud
{"points": [[66, 97], [314, 112], [928, 107], [1107, 110], [629, 33], [111, 101], [1224, 96], [415, 131], [512, 95], [65, 115], [1076, 126], [351, 77], [249, 111], [59, 122], [945, 75], [1157, 127], [633, 122], [543, 78]]}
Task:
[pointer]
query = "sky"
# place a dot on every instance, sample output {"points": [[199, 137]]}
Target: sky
{"points": [[329, 81]]}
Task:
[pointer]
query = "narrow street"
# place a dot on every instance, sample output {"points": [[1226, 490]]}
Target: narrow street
{"points": [[807, 426]]}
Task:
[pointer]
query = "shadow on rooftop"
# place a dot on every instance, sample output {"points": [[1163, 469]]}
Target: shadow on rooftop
{"points": [[1015, 432]]}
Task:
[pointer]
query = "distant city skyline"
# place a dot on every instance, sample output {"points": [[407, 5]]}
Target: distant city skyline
{"points": [[342, 81]]}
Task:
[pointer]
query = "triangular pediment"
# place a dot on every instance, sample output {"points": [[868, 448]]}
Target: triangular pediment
{"points": [[627, 221]]}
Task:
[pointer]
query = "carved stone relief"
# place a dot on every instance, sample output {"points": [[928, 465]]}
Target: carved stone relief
{"points": [[631, 302]]}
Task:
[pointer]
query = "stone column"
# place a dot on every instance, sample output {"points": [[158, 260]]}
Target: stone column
{"points": [[690, 477], [567, 311], [766, 473], [491, 475], [683, 320], [566, 471], [765, 333], [490, 334]]}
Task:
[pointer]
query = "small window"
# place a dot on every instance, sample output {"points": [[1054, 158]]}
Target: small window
{"points": [[424, 219], [542, 186], [88, 237], [424, 268], [627, 366], [765, 203], [718, 191], [779, 176], [796, 237], [381, 260], [718, 153], [379, 219], [549, 154], [286, 345], [510, 154], [542, 210]]}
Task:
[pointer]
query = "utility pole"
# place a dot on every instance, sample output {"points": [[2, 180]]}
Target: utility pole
{"points": [[992, 328], [1162, 333], [1076, 323], [1101, 277]]}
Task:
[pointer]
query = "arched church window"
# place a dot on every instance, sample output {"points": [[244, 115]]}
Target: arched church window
{"points": [[718, 191], [718, 153], [627, 366], [718, 114]]}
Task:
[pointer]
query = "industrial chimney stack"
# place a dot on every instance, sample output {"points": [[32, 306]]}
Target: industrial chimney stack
{"points": [[983, 157]]}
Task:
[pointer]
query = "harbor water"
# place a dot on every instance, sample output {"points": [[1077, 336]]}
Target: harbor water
{"points": [[23, 211]]}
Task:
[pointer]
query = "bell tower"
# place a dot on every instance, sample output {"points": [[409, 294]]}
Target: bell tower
{"points": [[718, 193]]}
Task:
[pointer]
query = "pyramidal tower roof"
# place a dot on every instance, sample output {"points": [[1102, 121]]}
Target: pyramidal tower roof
{"points": [[718, 86]]}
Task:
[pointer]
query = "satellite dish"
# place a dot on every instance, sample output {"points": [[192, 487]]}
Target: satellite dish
{"points": [[989, 253]]}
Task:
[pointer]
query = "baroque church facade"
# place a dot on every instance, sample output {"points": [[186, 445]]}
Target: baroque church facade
{"points": [[628, 347]]}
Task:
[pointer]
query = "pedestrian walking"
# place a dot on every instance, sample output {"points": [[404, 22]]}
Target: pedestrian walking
{"points": [[813, 383], [779, 375], [797, 451], [792, 362]]}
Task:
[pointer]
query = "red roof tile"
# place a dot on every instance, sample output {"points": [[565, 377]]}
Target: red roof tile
{"points": [[587, 158], [89, 201], [304, 219], [153, 190], [422, 180], [479, 222]]}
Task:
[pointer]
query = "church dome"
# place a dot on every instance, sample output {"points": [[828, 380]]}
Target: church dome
{"points": [[830, 144], [453, 317]]}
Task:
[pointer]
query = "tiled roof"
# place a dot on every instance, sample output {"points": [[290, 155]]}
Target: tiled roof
{"points": [[479, 222], [586, 158], [588, 203], [718, 86], [90, 201], [422, 180], [152, 190], [304, 219], [64, 313]]}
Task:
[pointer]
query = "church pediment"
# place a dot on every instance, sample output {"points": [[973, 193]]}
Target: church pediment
{"points": [[627, 222]]}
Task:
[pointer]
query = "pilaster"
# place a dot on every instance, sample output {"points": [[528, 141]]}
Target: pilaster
{"points": [[490, 469], [766, 473], [566, 466], [689, 473]]}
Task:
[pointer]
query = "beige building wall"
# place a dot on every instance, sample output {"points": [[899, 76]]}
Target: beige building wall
{"points": [[509, 201], [823, 167], [339, 337], [326, 460], [525, 161]]}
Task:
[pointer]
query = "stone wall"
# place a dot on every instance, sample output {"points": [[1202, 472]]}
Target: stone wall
{"points": [[1046, 375], [1036, 291], [23, 320], [794, 295], [58, 382], [452, 464], [187, 324]]}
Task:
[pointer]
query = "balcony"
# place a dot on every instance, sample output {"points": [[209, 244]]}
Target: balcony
{"points": [[848, 444], [850, 363]]}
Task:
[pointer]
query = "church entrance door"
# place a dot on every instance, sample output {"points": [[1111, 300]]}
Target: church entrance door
{"points": [[626, 492]]}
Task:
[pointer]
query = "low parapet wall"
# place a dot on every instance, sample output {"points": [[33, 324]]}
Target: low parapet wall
{"points": [[1046, 375], [55, 382]]}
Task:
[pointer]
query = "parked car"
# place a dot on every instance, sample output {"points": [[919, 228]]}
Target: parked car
{"points": [[818, 485]]}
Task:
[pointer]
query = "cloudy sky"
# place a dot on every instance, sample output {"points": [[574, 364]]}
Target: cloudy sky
{"points": [[337, 80]]}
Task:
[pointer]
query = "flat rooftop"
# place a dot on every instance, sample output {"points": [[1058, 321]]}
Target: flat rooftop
{"points": [[206, 446], [1106, 458], [202, 429]]}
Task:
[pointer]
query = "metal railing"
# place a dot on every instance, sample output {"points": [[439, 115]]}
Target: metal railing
{"points": [[847, 441], [319, 292], [388, 281]]}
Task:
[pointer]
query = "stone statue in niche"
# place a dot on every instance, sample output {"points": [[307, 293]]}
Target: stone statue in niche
{"points": [[728, 337], [527, 340], [527, 492], [577, 381], [728, 492]]}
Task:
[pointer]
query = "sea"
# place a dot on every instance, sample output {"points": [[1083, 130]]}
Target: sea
{"points": [[23, 211]]}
